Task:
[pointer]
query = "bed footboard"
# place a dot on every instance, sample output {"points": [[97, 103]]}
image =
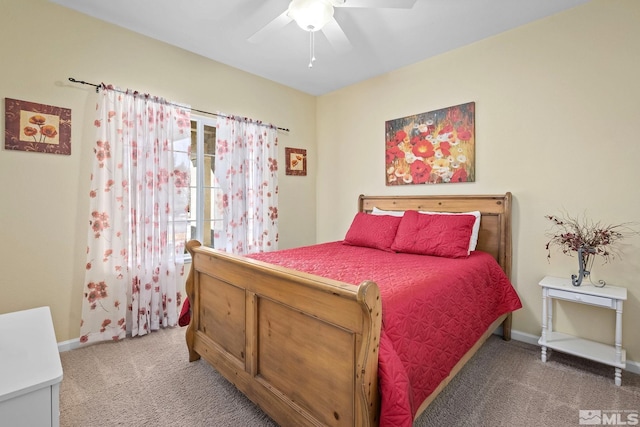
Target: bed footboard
{"points": [[303, 348]]}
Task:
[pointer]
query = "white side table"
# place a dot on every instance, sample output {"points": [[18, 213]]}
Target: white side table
{"points": [[608, 297], [30, 369]]}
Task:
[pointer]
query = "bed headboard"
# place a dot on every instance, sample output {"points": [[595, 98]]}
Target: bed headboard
{"points": [[495, 223]]}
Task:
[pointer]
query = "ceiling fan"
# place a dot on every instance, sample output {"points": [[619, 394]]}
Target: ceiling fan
{"points": [[317, 15]]}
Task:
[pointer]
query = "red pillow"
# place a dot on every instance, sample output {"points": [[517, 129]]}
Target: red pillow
{"points": [[439, 235], [372, 231]]}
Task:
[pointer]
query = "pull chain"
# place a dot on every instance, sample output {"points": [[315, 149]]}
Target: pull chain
{"points": [[312, 48]]}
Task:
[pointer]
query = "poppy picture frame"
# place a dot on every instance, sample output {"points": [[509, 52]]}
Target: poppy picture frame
{"points": [[431, 148], [296, 160], [40, 128]]}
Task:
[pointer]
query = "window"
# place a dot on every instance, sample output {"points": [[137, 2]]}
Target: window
{"points": [[205, 206]]}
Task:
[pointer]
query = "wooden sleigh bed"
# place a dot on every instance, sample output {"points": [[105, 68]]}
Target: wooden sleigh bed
{"points": [[305, 348]]}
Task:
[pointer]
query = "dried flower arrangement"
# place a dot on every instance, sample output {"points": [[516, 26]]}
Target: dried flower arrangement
{"points": [[572, 233], [586, 238]]}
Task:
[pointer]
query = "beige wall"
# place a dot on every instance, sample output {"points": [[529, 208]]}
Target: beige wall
{"points": [[556, 115], [44, 197]]}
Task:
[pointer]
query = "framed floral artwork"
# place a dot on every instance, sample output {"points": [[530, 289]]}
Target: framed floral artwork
{"points": [[431, 148], [296, 161], [37, 127]]}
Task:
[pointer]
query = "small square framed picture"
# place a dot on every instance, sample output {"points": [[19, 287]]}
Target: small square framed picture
{"points": [[296, 161], [30, 126]]}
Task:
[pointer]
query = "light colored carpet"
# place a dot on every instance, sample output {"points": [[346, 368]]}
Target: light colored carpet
{"points": [[148, 381]]}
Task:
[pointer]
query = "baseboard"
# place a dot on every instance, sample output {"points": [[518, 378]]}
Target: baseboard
{"points": [[633, 367], [68, 345], [533, 339]]}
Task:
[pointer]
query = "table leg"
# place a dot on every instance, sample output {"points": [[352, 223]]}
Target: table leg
{"points": [[543, 356], [618, 375]]}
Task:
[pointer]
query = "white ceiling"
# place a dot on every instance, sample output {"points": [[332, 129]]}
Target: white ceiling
{"points": [[382, 39]]}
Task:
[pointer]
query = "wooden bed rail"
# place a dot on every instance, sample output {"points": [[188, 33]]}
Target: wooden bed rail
{"points": [[302, 347]]}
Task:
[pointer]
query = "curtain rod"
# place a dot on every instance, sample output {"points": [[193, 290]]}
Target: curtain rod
{"points": [[71, 79]]}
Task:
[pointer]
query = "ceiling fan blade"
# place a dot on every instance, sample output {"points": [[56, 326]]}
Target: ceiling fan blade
{"points": [[337, 38], [279, 22], [390, 4]]}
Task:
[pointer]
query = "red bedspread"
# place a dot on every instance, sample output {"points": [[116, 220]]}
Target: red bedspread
{"points": [[433, 311]]}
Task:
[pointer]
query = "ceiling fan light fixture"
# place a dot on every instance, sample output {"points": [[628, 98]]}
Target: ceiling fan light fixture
{"points": [[310, 15]]}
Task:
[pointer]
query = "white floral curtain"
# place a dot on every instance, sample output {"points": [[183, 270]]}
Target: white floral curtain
{"points": [[138, 216], [247, 171]]}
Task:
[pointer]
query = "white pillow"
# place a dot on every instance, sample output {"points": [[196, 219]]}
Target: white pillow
{"points": [[473, 242], [377, 211]]}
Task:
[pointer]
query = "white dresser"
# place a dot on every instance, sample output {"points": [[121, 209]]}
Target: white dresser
{"points": [[30, 369]]}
